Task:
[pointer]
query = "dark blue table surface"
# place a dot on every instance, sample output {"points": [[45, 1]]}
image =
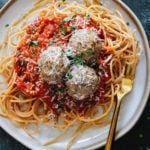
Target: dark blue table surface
{"points": [[139, 137]]}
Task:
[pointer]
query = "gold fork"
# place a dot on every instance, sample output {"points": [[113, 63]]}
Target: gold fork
{"points": [[126, 87]]}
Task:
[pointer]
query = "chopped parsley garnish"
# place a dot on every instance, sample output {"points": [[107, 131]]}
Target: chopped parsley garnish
{"points": [[7, 25], [18, 53], [90, 51], [36, 71], [67, 19], [78, 60], [128, 23], [60, 107], [54, 90], [33, 43], [73, 28], [69, 52], [63, 31], [69, 75], [51, 42], [33, 28], [62, 90], [87, 16], [23, 62], [56, 35], [63, 0]]}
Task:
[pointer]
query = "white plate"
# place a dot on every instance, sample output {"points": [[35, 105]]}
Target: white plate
{"points": [[132, 106]]}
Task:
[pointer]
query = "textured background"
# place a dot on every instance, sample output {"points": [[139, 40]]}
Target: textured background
{"points": [[138, 138]]}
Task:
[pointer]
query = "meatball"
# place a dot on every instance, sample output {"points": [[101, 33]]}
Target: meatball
{"points": [[53, 65], [85, 42], [82, 82]]}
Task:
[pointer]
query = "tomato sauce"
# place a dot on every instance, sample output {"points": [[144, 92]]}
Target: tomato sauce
{"points": [[40, 34]]}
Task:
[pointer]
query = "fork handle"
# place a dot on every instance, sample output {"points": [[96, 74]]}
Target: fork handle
{"points": [[112, 130]]}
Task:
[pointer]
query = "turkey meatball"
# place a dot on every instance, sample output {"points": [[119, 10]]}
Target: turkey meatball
{"points": [[53, 65], [82, 82], [85, 42]]}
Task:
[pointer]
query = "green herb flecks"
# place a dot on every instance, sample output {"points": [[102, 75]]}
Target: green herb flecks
{"points": [[78, 60], [33, 43], [73, 28], [36, 71], [67, 19], [56, 35], [69, 52], [60, 107], [128, 23], [90, 51], [54, 90], [18, 53], [62, 90], [23, 62], [7, 25], [63, 30], [87, 16], [69, 75], [51, 42]]}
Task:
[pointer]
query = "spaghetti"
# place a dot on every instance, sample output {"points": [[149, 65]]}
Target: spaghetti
{"points": [[28, 99]]}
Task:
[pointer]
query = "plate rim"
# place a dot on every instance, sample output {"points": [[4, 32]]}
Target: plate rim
{"points": [[146, 93]]}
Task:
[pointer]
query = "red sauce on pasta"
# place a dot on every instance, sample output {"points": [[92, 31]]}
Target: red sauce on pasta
{"points": [[45, 32]]}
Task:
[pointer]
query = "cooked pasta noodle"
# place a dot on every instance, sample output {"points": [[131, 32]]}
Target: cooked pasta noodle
{"points": [[120, 49]]}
